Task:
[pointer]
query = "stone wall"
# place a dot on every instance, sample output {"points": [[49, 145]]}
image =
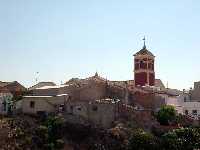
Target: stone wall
{"points": [[147, 100], [95, 113], [142, 118]]}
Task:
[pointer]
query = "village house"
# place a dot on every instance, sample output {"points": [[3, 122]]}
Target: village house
{"points": [[100, 113], [191, 102], [192, 109], [182, 101], [13, 87], [171, 97], [42, 104]]}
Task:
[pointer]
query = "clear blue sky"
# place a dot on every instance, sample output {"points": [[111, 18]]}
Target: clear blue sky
{"points": [[74, 38]]}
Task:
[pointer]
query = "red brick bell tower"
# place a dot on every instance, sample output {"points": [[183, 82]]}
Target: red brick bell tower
{"points": [[144, 67]]}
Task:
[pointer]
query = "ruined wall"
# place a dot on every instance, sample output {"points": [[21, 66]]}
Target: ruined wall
{"points": [[116, 92], [99, 114], [93, 92], [104, 115], [90, 92], [147, 100], [45, 92], [140, 118]]}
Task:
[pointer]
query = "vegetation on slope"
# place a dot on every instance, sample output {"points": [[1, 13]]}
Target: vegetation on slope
{"points": [[53, 133]]}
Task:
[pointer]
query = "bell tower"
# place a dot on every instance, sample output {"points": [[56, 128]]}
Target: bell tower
{"points": [[144, 73]]}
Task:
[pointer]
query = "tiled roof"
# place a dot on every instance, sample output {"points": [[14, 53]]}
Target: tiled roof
{"points": [[2, 84], [144, 51], [41, 84], [6, 84]]}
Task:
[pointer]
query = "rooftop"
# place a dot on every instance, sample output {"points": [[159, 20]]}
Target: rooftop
{"points": [[144, 51], [41, 84], [45, 96], [53, 87]]}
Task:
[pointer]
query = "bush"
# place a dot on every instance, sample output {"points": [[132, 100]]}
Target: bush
{"points": [[166, 114], [141, 140], [49, 134], [54, 126], [42, 132], [183, 138]]}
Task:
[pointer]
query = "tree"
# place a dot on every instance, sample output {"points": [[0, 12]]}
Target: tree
{"points": [[54, 125], [166, 114], [49, 135], [141, 140], [183, 138]]}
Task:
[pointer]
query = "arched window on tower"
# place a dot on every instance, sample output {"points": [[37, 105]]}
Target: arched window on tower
{"points": [[143, 64]]}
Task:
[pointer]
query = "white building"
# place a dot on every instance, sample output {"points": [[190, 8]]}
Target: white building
{"points": [[44, 104], [182, 103], [191, 109], [175, 98]]}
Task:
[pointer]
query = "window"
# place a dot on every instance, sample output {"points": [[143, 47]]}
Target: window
{"points": [[94, 108], [32, 104], [185, 99], [194, 112], [78, 108], [4, 105], [186, 112]]}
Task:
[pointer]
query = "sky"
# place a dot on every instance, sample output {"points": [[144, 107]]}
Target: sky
{"points": [[75, 38]]}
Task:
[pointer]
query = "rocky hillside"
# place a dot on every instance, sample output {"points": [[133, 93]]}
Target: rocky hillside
{"points": [[17, 133]]}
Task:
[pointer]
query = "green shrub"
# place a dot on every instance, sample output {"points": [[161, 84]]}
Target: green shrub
{"points": [[141, 140], [166, 114], [183, 138]]}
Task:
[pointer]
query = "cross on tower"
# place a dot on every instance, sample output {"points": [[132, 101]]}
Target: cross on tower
{"points": [[144, 42]]}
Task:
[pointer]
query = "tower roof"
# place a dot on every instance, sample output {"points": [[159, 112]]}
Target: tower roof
{"points": [[144, 50]]}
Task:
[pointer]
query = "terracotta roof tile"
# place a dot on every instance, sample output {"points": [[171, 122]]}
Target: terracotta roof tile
{"points": [[144, 51]]}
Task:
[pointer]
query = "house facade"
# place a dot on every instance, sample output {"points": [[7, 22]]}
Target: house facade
{"points": [[13, 87], [44, 104], [101, 112], [192, 109]]}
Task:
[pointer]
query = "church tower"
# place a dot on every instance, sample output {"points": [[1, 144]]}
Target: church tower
{"points": [[144, 67]]}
